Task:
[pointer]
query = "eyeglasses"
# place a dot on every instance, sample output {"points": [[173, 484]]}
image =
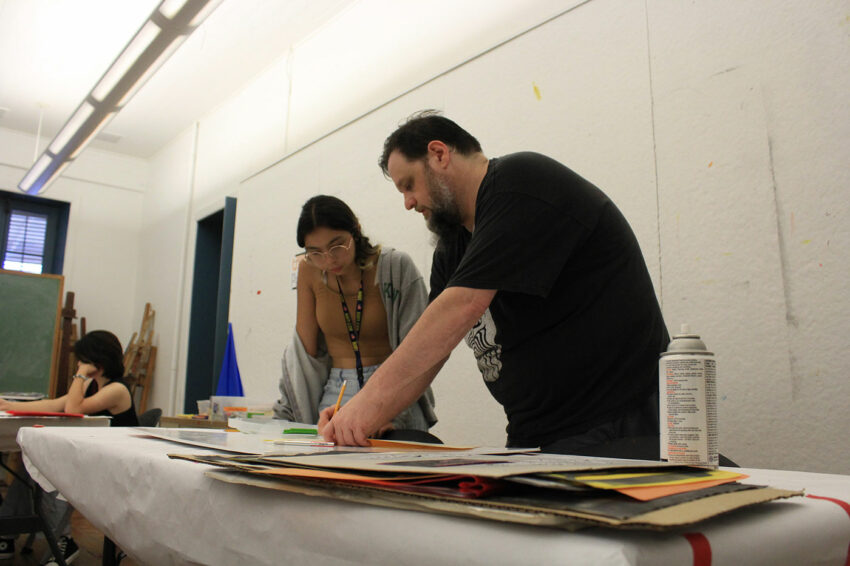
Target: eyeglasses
{"points": [[336, 252]]}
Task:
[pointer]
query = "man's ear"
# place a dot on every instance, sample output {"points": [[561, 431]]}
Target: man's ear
{"points": [[439, 154]]}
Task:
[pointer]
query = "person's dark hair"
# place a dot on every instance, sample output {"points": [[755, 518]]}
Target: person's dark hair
{"points": [[323, 211], [413, 136], [102, 349]]}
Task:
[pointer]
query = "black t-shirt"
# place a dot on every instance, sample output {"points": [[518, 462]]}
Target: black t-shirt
{"points": [[572, 337], [127, 418]]}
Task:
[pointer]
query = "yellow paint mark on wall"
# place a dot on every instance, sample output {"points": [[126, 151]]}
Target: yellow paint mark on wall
{"points": [[710, 163], [537, 94], [806, 242], [727, 253]]}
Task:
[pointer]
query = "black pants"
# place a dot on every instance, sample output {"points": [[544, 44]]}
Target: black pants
{"points": [[633, 435]]}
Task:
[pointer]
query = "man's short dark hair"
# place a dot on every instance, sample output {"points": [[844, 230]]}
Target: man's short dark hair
{"points": [[414, 135]]}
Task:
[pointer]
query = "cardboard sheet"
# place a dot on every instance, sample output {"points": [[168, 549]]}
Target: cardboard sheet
{"points": [[499, 509]]}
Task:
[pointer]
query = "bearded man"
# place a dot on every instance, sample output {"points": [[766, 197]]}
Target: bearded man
{"points": [[541, 274]]}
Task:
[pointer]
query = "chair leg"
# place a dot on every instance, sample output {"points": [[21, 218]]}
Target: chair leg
{"points": [[27, 548], [109, 552]]}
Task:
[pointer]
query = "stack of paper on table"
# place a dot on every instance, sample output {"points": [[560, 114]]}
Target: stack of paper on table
{"points": [[569, 492]]}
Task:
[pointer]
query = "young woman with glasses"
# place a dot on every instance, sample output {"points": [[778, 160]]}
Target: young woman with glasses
{"points": [[356, 303]]}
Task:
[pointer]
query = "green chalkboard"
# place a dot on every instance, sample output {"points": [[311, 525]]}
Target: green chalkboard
{"points": [[30, 306]]}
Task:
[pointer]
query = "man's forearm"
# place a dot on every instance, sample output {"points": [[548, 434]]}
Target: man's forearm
{"points": [[403, 376]]}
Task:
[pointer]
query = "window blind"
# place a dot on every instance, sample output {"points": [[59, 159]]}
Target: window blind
{"points": [[25, 240]]}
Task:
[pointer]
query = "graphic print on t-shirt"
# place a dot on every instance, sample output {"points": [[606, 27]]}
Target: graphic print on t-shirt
{"points": [[482, 339]]}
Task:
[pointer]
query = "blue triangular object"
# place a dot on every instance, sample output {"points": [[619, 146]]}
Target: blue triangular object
{"points": [[229, 381]]}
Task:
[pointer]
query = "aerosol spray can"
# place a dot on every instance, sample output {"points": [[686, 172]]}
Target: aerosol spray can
{"points": [[687, 391]]}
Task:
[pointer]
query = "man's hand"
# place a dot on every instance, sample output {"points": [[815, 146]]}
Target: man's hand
{"points": [[353, 424], [324, 418], [327, 414]]}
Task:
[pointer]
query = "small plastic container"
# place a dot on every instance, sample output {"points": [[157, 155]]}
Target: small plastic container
{"points": [[235, 412], [204, 407]]}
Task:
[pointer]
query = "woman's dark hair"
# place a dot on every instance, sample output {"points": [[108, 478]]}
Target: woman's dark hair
{"points": [[420, 129], [323, 211], [102, 349]]}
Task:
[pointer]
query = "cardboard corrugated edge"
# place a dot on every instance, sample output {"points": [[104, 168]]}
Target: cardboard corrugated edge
{"points": [[675, 516], [398, 500], [700, 509]]}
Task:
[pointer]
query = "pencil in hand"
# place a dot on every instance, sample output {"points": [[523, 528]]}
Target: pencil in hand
{"points": [[339, 399]]}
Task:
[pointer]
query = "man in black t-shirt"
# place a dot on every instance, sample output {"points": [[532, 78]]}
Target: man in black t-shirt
{"points": [[542, 275]]}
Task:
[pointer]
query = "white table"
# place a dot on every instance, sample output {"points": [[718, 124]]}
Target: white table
{"points": [[9, 427], [163, 511]]}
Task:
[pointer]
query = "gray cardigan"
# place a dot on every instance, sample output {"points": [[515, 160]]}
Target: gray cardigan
{"points": [[304, 376]]}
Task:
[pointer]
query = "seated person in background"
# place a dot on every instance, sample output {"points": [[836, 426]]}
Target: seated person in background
{"points": [[356, 302], [96, 389]]}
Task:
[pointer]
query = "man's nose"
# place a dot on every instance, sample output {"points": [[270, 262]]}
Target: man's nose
{"points": [[409, 202]]}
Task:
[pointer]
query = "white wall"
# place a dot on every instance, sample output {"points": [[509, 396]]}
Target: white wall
{"points": [[105, 191], [719, 128], [698, 120]]}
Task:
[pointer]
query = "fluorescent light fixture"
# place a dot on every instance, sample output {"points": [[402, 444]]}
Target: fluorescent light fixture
{"points": [[37, 170], [83, 143], [164, 30], [134, 50], [72, 126]]}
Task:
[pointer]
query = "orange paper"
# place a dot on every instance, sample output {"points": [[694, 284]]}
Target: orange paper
{"points": [[656, 491]]}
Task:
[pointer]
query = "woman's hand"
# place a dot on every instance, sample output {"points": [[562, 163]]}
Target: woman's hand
{"points": [[4, 405], [86, 369]]}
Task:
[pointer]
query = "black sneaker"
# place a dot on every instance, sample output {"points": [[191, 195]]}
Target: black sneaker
{"points": [[7, 548], [69, 549]]}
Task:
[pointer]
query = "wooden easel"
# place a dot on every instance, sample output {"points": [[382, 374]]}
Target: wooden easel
{"points": [[140, 360], [68, 337]]}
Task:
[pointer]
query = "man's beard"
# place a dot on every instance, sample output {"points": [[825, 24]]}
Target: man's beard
{"points": [[445, 218]]}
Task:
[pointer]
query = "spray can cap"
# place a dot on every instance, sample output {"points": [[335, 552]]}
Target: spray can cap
{"points": [[685, 342]]}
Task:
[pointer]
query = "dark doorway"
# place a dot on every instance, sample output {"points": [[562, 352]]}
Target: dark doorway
{"points": [[210, 304]]}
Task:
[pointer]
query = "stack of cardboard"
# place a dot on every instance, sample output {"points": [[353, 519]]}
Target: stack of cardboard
{"points": [[568, 492]]}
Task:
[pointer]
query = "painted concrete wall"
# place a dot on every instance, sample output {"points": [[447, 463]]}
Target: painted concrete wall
{"points": [[719, 128], [106, 192], [716, 128]]}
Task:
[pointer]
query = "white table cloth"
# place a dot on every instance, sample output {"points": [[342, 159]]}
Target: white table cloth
{"points": [[163, 511]]}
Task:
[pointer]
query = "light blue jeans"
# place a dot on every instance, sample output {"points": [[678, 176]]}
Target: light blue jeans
{"points": [[410, 418]]}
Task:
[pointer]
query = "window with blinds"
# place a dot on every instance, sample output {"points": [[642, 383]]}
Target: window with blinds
{"points": [[32, 233], [25, 241]]}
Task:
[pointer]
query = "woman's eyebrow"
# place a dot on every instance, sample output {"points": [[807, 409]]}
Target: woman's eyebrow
{"points": [[333, 241]]}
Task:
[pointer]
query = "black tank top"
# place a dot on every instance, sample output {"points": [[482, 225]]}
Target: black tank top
{"points": [[127, 418]]}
